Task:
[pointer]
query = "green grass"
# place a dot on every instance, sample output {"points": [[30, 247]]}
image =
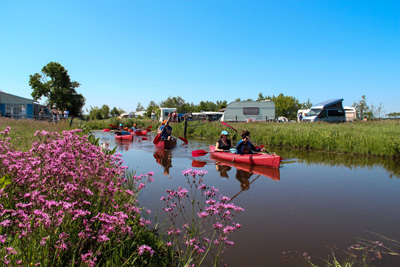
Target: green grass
{"points": [[378, 138], [22, 131]]}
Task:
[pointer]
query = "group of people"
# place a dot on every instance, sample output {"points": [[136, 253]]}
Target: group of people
{"points": [[244, 146], [57, 114]]}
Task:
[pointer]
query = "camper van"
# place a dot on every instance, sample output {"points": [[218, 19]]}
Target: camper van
{"points": [[250, 111], [328, 111], [165, 112]]}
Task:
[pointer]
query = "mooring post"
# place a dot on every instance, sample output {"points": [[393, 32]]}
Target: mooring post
{"points": [[185, 127]]}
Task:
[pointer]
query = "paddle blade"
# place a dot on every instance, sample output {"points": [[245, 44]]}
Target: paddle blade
{"points": [[184, 140], [113, 126], [150, 127], [198, 164], [145, 138], [199, 153], [157, 139], [224, 123]]}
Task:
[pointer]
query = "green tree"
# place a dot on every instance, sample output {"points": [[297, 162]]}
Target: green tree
{"points": [[174, 102], [286, 106], [362, 107], [55, 84], [139, 107], [152, 107], [116, 111], [105, 112]]}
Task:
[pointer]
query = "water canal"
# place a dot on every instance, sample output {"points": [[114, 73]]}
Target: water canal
{"points": [[314, 202]]}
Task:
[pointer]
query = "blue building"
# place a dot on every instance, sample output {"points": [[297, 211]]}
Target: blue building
{"points": [[16, 107]]}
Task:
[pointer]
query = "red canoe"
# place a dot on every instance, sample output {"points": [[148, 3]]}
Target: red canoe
{"points": [[106, 130], [143, 132], [166, 144], [259, 159], [126, 136]]}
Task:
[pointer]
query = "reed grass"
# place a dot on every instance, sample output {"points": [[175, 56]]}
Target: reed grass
{"points": [[22, 131], [378, 138]]}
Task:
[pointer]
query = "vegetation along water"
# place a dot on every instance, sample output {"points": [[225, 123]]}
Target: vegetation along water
{"points": [[71, 210]]}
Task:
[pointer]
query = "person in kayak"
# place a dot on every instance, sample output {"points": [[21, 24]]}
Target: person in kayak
{"points": [[223, 142], [165, 130], [134, 127], [244, 146]]}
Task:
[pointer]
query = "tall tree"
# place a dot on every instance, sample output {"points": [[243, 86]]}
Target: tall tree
{"points": [[139, 107], [173, 102], [55, 84], [361, 107], [286, 106]]}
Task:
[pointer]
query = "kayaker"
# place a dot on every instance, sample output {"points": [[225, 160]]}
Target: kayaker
{"points": [[223, 143], [165, 130], [244, 146]]}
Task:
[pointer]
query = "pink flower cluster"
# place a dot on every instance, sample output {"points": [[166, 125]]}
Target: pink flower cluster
{"points": [[214, 220], [67, 189]]}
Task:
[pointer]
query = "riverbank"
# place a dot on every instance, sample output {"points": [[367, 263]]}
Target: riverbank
{"points": [[372, 138], [375, 138]]}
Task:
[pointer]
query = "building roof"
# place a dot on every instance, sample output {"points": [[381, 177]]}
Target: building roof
{"points": [[327, 103], [13, 99]]}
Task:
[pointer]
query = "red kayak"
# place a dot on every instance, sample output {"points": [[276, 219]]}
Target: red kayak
{"points": [[123, 136], [106, 130], [166, 144], [259, 159], [143, 132]]}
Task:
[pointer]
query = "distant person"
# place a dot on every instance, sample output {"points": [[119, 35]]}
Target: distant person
{"points": [[300, 116], [244, 146], [66, 113], [174, 116], [153, 115], [41, 114], [190, 116], [134, 127], [54, 113], [223, 143]]}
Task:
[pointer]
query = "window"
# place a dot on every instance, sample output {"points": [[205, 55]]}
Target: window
{"points": [[336, 113], [323, 114], [251, 111]]}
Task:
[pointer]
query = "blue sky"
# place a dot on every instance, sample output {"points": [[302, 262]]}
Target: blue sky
{"points": [[125, 52]]}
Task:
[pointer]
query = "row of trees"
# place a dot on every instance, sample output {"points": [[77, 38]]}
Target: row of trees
{"points": [[369, 111], [55, 84]]}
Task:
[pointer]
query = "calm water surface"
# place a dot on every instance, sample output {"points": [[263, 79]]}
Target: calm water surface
{"points": [[313, 202]]}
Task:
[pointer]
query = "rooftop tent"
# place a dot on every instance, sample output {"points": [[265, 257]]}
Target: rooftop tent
{"points": [[249, 111], [333, 103]]}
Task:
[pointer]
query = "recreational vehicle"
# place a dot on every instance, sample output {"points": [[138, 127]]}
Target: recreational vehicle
{"points": [[250, 111], [328, 111], [164, 113]]}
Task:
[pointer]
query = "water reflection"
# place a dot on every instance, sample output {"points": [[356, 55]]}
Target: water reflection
{"points": [[164, 158], [341, 160]]}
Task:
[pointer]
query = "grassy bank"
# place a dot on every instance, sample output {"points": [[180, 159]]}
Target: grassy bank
{"points": [[378, 138]]}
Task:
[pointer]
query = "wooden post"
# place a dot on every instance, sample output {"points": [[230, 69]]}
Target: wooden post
{"points": [[236, 118], [185, 127], [70, 123]]}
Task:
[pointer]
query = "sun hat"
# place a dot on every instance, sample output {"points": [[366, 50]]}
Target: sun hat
{"points": [[224, 132]]}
